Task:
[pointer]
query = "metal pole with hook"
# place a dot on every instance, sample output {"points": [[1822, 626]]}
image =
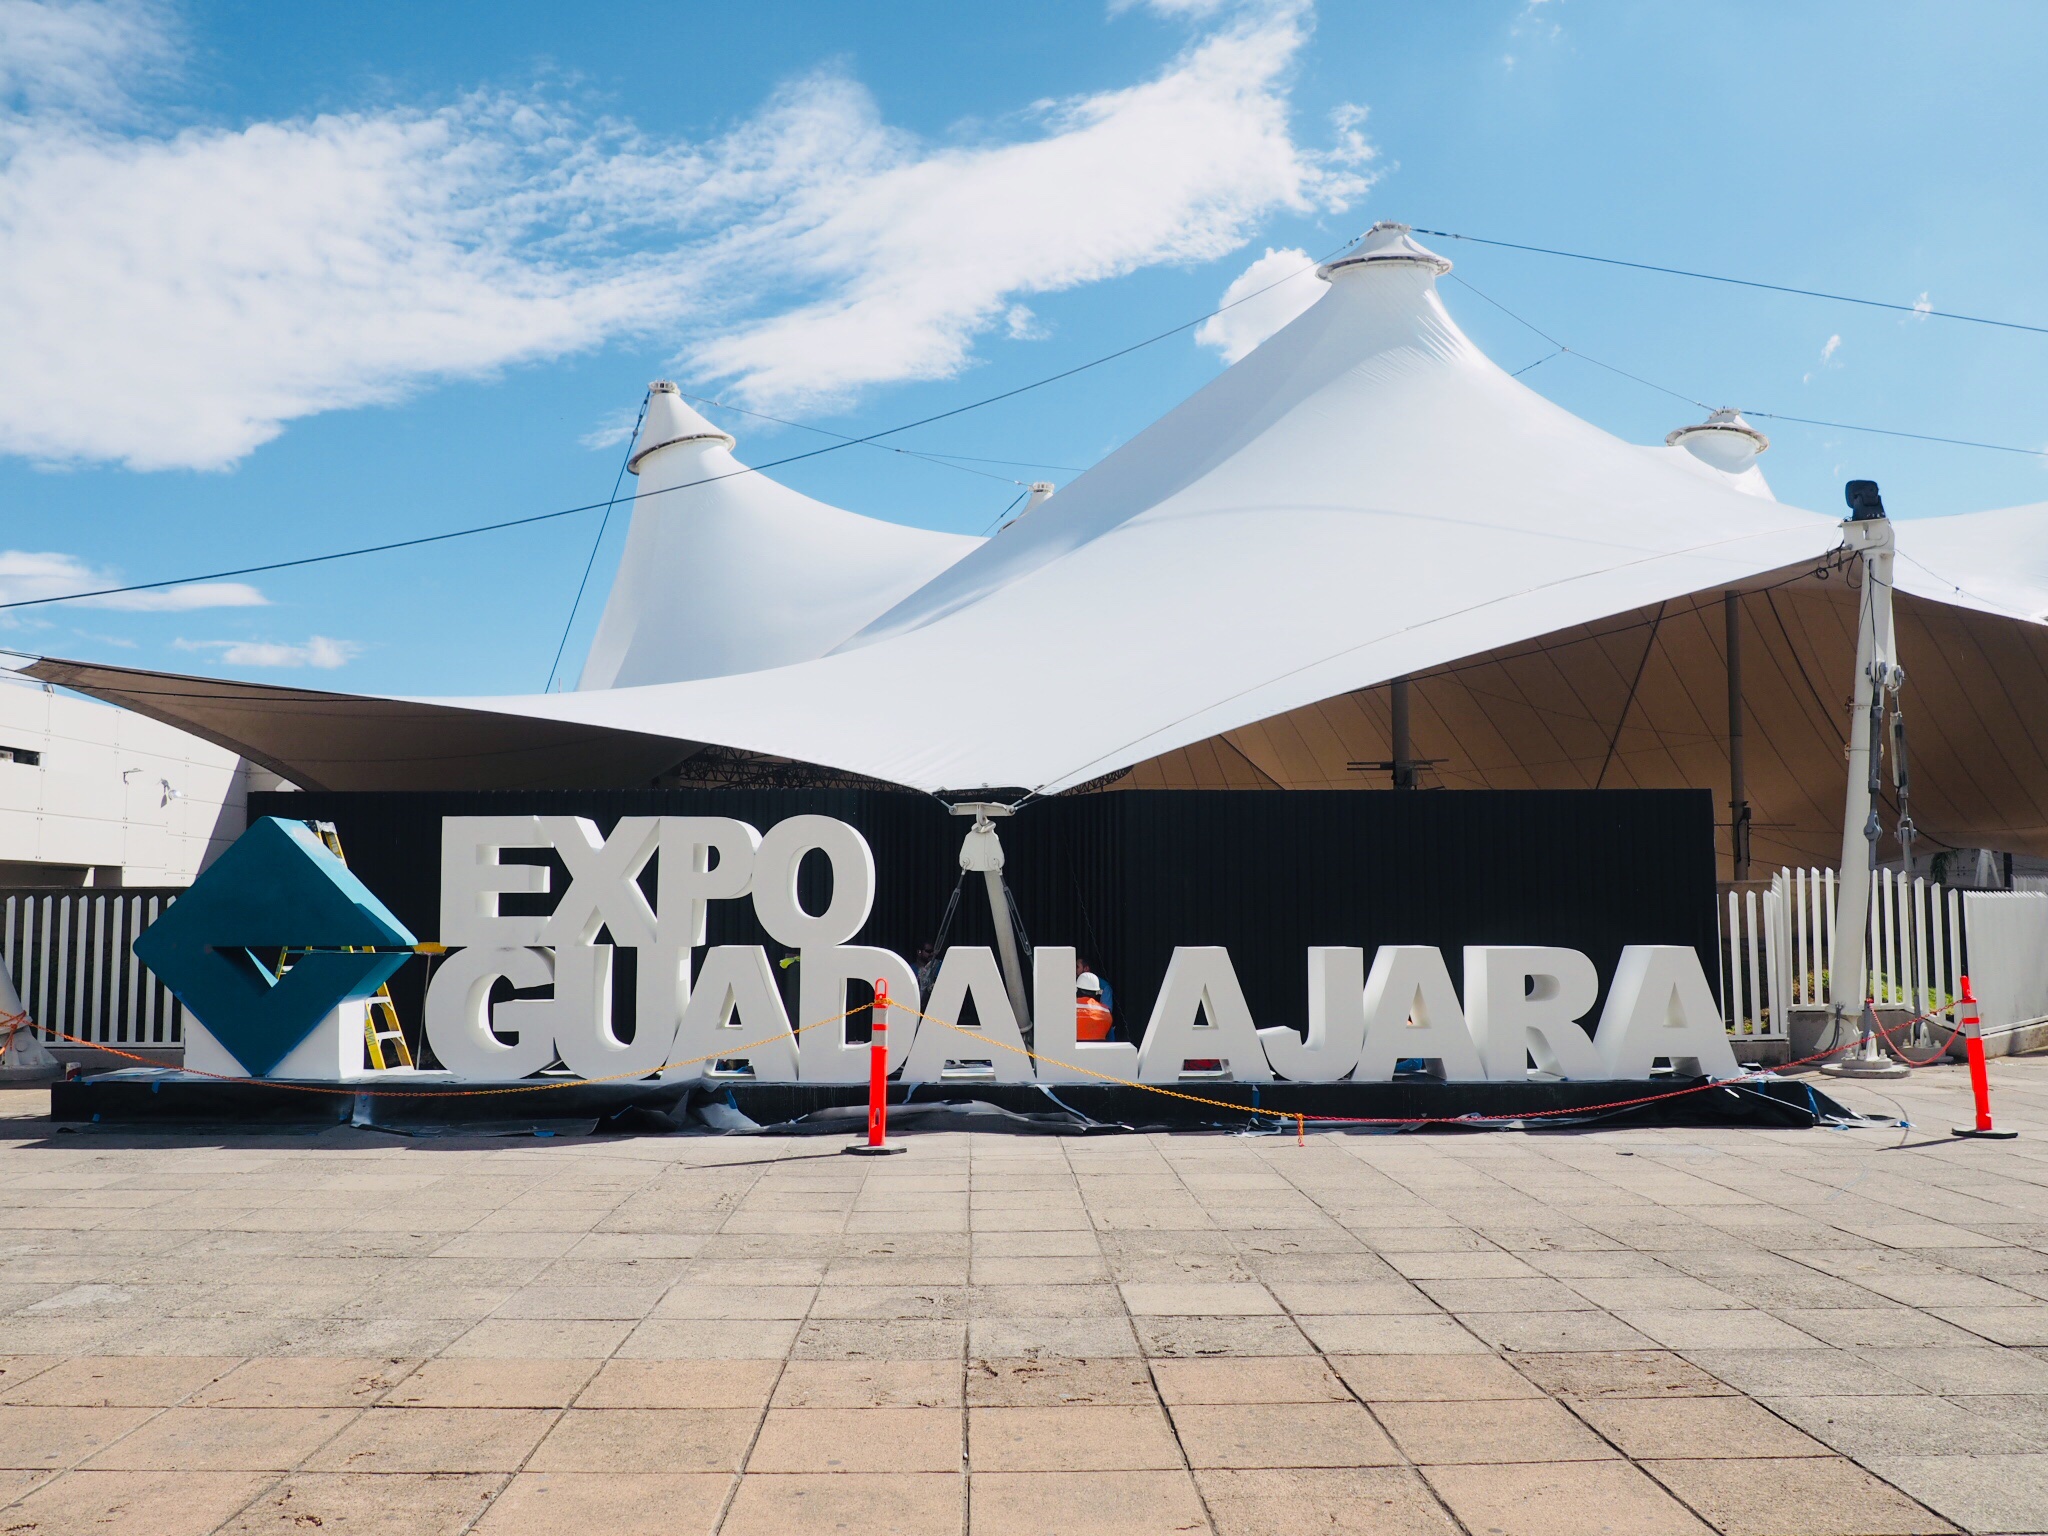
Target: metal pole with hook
{"points": [[1868, 533]]}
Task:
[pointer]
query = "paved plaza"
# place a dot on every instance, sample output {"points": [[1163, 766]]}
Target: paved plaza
{"points": [[1632, 1331]]}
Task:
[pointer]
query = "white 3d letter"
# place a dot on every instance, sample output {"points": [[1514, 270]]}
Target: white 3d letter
{"points": [[823, 1053], [1054, 1025], [472, 880], [1411, 1010], [1660, 1005], [603, 881], [967, 971], [775, 869], [689, 879], [459, 1014], [1200, 981], [1336, 1021], [583, 1009], [733, 1011], [1524, 1002]]}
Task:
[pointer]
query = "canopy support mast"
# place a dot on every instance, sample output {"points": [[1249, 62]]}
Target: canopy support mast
{"points": [[1738, 793], [1868, 534], [1402, 756], [983, 851]]}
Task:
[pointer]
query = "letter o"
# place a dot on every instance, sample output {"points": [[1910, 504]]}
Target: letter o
{"points": [[782, 852]]}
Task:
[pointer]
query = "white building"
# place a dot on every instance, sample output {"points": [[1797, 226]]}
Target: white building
{"points": [[96, 796]]}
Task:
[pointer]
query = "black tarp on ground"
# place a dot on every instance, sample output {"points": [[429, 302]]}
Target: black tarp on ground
{"points": [[169, 1099]]}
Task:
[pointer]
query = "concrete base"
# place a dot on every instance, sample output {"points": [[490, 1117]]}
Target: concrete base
{"points": [[2014, 1040], [1865, 1067], [1751, 1050]]}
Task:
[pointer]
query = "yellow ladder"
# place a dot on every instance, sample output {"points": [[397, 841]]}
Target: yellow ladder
{"points": [[380, 1024]]}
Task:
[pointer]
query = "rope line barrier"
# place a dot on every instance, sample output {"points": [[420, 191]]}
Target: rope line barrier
{"points": [[1301, 1118], [13, 1022], [1955, 1033]]}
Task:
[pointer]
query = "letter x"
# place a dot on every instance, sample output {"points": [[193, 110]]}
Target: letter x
{"points": [[603, 872]]}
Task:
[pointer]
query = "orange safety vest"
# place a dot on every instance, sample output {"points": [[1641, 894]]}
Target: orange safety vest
{"points": [[1091, 1019]]}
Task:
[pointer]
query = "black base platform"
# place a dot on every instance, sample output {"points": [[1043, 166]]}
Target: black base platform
{"points": [[144, 1097]]}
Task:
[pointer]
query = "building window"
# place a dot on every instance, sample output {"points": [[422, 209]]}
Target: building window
{"points": [[22, 755]]}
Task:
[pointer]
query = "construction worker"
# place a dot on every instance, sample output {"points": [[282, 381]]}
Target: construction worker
{"points": [[1092, 1019], [1082, 968]]}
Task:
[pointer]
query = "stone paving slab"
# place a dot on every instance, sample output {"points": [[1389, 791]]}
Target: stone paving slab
{"points": [[1638, 1331]]}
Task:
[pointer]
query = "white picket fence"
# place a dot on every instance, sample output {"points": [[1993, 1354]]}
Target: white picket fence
{"points": [[69, 955], [1778, 945]]}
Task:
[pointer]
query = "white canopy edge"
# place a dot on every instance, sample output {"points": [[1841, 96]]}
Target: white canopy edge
{"points": [[1994, 562]]}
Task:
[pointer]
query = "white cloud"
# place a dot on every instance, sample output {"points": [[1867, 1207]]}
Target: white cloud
{"points": [[78, 55], [228, 280], [1827, 358], [1020, 323], [184, 599], [1352, 147], [1922, 306], [172, 302], [1535, 23], [926, 254], [612, 432], [1175, 8], [28, 574], [318, 651], [1263, 297]]}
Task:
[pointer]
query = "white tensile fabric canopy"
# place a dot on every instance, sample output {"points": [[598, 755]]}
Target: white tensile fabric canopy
{"points": [[727, 571], [1364, 496], [1994, 561]]}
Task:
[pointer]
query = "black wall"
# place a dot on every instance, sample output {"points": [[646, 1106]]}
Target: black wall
{"points": [[1125, 876]]}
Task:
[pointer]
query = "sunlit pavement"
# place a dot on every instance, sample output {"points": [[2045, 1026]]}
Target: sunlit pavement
{"points": [[1635, 1331]]}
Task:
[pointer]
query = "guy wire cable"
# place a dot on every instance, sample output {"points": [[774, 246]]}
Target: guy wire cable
{"points": [[943, 460], [632, 441], [1761, 415], [1743, 282]]}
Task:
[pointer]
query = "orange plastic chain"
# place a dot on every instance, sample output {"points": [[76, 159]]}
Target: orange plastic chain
{"points": [[1301, 1119]]}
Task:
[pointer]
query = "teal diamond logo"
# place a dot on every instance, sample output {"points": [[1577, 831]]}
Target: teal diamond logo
{"points": [[276, 887]]}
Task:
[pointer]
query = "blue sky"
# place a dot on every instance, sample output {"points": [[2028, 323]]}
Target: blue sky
{"points": [[281, 279]]}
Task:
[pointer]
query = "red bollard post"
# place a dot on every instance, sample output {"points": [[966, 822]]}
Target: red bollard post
{"points": [[877, 1144], [1980, 1082]]}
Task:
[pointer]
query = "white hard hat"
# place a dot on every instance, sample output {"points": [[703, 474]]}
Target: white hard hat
{"points": [[1088, 981]]}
